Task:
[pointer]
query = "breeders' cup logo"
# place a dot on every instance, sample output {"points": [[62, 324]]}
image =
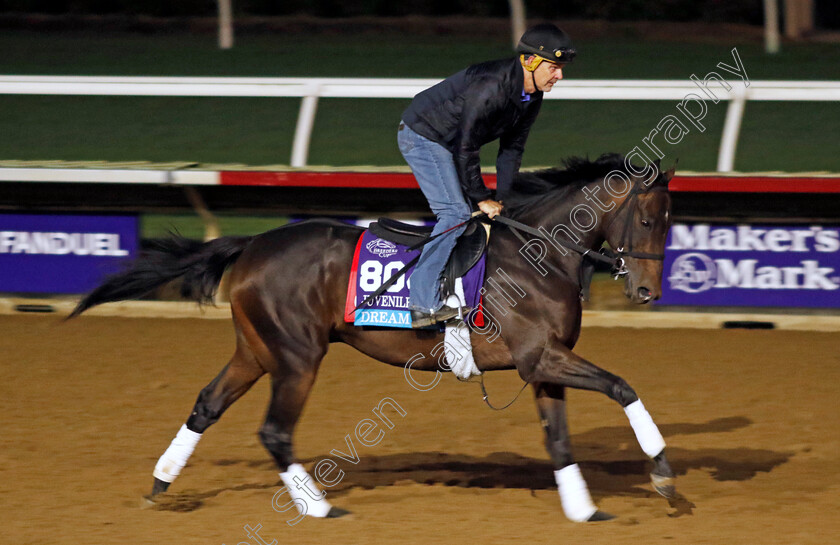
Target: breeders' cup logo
{"points": [[382, 248], [692, 273]]}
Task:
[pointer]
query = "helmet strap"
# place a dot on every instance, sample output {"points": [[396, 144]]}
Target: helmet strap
{"points": [[534, 80]]}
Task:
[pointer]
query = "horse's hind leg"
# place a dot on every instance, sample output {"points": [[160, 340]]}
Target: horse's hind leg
{"points": [[234, 380], [574, 494], [289, 390]]}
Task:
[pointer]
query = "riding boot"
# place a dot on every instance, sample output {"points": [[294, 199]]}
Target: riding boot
{"points": [[445, 313]]}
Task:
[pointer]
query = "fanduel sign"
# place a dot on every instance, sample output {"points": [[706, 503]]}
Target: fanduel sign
{"points": [[62, 253], [754, 266]]}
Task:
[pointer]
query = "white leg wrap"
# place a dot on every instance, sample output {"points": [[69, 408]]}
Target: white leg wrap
{"points": [[646, 431], [169, 465], [574, 494], [296, 479]]}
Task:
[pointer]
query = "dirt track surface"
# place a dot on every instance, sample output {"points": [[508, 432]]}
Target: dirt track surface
{"points": [[88, 406]]}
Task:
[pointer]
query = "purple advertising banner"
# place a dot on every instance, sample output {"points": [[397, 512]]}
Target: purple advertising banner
{"points": [[752, 266], [62, 253]]}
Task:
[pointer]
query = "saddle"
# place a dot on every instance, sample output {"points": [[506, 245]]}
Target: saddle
{"points": [[468, 249]]}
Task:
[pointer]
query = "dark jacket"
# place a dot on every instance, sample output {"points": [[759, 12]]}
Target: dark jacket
{"points": [[471, 108]]}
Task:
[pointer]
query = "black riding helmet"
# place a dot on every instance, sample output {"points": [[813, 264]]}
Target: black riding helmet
{"points": [[547, 42]]}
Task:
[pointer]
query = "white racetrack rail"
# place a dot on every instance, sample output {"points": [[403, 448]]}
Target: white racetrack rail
{"points": [[311, 89]]}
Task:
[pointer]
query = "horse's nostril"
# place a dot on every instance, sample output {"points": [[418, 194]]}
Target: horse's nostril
{"points": [[644, 293]]}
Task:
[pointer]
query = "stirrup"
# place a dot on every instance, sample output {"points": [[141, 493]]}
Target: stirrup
{"points": [[443, 314]]}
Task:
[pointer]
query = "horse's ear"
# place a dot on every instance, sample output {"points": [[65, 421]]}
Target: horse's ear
{"points": [[668, 174]]}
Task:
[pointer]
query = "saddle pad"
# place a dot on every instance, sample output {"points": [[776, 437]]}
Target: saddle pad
{"points": [[374, 262]]}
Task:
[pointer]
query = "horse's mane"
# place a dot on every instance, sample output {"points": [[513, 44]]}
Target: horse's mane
{"points": [[530, 187]]}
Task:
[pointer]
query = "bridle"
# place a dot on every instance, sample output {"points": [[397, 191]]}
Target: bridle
{"points": [[625, 242], [615, 259]]}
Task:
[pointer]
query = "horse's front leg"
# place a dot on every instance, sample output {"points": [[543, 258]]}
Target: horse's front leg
{"points": [[574, 494], [560, 366]]}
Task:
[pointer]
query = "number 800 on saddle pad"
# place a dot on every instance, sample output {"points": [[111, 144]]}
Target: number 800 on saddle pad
{"points": [[377, 259]]}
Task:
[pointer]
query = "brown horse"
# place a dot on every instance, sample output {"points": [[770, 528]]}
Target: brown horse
{"points": [[288, 289]]}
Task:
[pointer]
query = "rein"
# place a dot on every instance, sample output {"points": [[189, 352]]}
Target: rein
{"points": [[486, 396], [516, 226]]}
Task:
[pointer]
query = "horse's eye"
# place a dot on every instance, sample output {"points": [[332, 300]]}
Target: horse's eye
{"points": [[646, 223]]}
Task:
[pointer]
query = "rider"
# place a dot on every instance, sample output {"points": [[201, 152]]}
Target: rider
{"points": [[442, 131]]}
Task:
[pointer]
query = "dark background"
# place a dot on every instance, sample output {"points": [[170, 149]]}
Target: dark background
{"points": [[733, 11]]}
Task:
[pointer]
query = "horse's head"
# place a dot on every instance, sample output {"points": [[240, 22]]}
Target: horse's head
{"points": [[637, 230], [635, 222]]}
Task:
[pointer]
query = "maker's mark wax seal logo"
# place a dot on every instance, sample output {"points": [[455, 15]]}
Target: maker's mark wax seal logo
{"points": [[692, 273]]}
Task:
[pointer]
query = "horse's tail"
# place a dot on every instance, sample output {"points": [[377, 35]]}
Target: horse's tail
{"points": [[201, 264]]}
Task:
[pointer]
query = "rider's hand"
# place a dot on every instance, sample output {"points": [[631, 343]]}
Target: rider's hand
{"points": [[490, 207]]}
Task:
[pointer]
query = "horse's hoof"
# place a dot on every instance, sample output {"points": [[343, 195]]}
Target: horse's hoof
{"points": [[599, 516], [147, 502], [336, 512], [159, 486], [664, 485]]}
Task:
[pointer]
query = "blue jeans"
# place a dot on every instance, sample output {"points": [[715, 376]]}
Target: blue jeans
{"points": [[434, 169]]}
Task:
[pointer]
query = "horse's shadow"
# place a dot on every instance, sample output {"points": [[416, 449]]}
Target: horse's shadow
{"points": [[609, 457]]}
